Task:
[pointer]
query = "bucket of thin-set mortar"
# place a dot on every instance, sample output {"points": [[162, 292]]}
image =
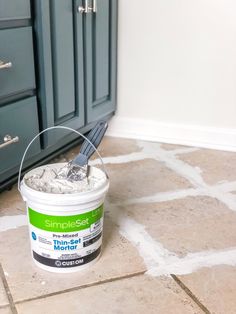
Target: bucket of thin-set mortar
{"points": [[65, 229]]}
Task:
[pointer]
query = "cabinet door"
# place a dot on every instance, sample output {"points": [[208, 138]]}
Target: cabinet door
{"points": [[100, 59], [61, 96]]}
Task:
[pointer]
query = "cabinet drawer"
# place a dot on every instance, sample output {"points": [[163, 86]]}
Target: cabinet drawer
{"points": [[18, 119], [14, 9], [17, 48]]}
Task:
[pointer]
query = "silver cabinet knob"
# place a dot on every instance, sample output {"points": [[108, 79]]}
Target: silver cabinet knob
{"points": [[8, 140], [87, 8], [5, 65]]}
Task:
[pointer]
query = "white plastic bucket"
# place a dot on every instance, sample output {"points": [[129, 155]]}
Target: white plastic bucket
{"points": [[65, 229]]}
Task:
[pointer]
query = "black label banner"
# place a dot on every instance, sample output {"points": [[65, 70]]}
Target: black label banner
{"points": [[93, 240], [66, 263]]}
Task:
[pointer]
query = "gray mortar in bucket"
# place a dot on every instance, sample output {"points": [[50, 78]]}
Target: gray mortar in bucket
{"points": [[46, 179]]}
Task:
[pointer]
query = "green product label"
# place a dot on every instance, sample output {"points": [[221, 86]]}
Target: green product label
{"points": [[64, 223]]}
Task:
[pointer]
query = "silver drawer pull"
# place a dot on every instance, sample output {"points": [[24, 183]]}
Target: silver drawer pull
{"points": [[5, 65], [8, 140]]}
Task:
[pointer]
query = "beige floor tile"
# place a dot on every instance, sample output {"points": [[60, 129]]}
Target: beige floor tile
{"points": [[11, 203], [142, 178], [3, 296], [187, 225], [137, 295], [115, 146], [5, 310], [215, 287], [172, 146], [26, 280], [216, 165]]}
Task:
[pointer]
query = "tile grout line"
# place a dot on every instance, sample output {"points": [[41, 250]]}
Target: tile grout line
{"points": [[190, 294], [7, 290], [98, 283]]}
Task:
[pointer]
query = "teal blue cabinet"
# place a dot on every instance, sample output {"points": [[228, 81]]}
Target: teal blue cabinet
{"points": [[57, 67]]}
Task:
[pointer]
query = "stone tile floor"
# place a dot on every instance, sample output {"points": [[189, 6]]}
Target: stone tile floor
{"points": [[169, 238]]}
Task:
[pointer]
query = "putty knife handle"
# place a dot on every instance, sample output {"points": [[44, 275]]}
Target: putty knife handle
{"points": [[95, 136]]}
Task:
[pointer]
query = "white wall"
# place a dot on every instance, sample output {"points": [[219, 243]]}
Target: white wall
{"points": [[177, 63]]}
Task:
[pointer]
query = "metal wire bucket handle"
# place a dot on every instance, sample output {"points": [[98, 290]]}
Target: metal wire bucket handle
{"points": [[51, 128]]}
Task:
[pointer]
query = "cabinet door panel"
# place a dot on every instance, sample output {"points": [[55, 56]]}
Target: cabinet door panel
{"points": [[59, 41], [101, 43], [62, 58], [100, 52]]}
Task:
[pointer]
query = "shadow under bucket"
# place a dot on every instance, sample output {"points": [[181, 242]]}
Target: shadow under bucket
{"points": [[65, 229]]}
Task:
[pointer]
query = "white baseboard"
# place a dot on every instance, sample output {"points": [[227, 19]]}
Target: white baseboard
{"points": [[207, 137]]}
